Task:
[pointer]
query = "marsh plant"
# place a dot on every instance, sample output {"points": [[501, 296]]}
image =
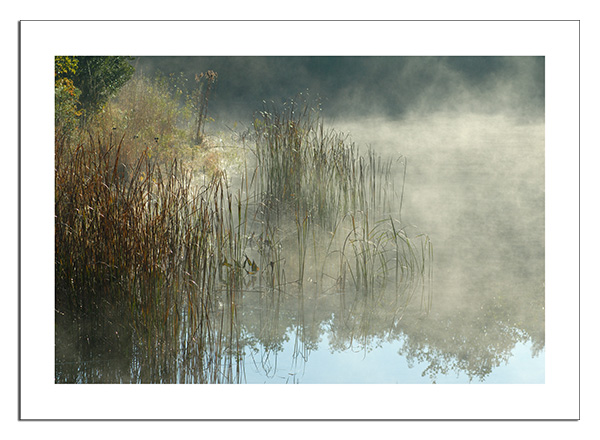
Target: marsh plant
{"points": [[316, 182], [150, 256]]}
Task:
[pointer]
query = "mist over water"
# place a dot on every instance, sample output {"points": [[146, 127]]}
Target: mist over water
{"points": [[471, 133], [475, 184], [359, 87]]}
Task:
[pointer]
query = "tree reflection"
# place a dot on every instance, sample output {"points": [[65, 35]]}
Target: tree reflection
{"points": [[471, 340]]}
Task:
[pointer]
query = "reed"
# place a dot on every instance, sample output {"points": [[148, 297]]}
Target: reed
{"points": [[139, 236], [319, 179]]}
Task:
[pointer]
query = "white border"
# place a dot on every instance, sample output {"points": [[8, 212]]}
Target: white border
{"points": [[557, 399]]}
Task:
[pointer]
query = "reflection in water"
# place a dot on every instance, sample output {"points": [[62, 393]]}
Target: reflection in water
{"points": [[273, 335], [476, 187]]}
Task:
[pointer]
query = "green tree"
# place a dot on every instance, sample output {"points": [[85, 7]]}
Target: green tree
{"points": [[99, 78]]}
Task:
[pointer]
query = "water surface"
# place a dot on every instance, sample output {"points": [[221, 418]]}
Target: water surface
{"points": [[475, 185]]}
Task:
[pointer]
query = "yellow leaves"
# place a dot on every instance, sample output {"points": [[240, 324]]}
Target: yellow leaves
{"points": [[65, 65], [253, 266], [249, 265]]}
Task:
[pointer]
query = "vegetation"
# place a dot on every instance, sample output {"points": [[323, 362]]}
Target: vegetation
{"points": [[99, 79], [159, 240], [66, 98]]}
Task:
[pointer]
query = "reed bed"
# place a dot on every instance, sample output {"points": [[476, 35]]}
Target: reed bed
{"points": [[135, 237], [148, 252], [317, 181]]}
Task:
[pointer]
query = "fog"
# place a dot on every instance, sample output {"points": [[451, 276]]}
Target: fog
{"points": [[471, 128], [356, 87], [475, 185], [471, 132]]}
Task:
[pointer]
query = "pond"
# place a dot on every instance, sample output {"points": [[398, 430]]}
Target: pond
{"points": [[474, 184]]}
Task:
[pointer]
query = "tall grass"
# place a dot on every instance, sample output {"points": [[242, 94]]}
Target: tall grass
{"points": [[319, 180], [147, 251]]}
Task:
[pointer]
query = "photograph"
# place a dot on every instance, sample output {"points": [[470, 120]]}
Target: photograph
{"points": [[299, 219]]}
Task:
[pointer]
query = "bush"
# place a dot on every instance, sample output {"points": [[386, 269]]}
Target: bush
{"points": [[66, 98]]}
